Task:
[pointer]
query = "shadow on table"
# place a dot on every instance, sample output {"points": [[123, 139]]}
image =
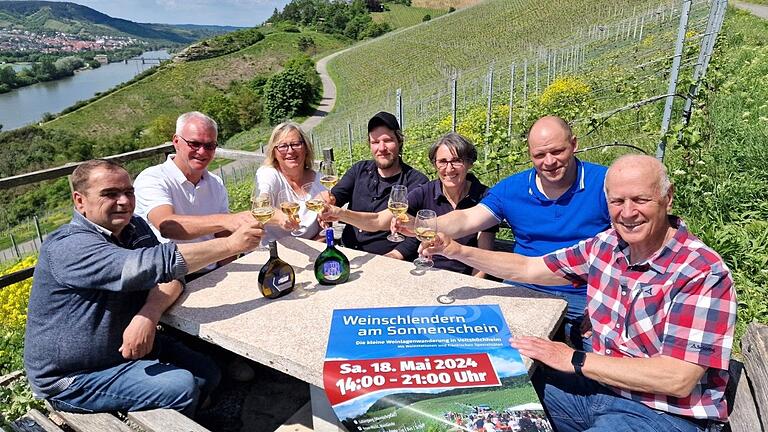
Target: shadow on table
{"points": [[471, 293]]}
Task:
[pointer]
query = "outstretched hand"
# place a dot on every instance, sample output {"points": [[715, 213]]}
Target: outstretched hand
{"points": [[556, 355], [440, 245], [330, 213], [247, 237], [233, 221], [403, 225]]}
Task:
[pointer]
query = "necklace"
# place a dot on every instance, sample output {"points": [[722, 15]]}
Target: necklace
{"points": [[464, 192]]}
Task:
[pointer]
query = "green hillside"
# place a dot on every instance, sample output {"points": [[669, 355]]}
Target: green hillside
{"points": [[182, 86], [496, 30], [399, 16], [49, 16]]}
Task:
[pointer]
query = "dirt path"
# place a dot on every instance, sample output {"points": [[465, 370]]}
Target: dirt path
{"points": [[757, 10]]}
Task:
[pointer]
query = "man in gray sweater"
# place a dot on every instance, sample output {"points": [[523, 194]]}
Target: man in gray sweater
{"points": [[100, 286]]}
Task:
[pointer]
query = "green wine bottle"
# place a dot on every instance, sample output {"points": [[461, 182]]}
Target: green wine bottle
{"points": [[276, 277], [331, 266]]}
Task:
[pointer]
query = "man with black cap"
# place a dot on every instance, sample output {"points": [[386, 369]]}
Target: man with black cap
{"points": [[367, 184]]}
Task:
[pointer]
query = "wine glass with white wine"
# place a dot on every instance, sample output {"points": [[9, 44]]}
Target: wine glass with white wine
{"points": [[398, 205], [262, 209], [328, 178], [290, 204], [425, 226]]}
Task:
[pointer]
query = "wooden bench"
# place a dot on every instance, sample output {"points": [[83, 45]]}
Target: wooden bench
{"points": [[159, 420], [747, 391]]}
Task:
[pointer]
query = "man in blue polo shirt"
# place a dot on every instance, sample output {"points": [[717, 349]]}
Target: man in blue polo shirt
{"points": [[557, 203]]}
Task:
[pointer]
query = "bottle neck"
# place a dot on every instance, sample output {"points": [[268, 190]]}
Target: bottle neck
{"points": [[273, 249], [329, 237]]}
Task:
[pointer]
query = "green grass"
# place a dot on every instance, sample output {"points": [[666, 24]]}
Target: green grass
{"points": [[497, 399], [399, 16], [182, 87]]}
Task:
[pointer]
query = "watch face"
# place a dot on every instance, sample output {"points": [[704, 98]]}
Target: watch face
{"points": [[578, 358]]}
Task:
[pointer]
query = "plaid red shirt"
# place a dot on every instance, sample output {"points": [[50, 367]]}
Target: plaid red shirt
{"points": [[679, 303]]}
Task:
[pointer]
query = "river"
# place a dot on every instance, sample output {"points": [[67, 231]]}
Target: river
{"points": [[28, 104]]}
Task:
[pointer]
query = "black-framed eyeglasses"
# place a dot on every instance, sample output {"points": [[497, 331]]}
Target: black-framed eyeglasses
{"points": [[194, 145], [283, 148], [454, 163]]}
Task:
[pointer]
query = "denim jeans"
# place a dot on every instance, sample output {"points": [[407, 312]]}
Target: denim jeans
{"points": [[173, 376], [574, 314], [576, 403]]}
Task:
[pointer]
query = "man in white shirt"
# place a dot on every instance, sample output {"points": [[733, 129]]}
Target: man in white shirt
{"points": [[179, 198]]}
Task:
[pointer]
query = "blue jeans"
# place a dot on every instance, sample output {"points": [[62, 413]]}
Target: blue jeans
{"points": [[576, 404], [173, 376], [574, 314]]}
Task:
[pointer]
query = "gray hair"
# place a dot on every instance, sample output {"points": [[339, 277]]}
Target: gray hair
{"points": [[195, 115], [458, 144], [663, 183]]}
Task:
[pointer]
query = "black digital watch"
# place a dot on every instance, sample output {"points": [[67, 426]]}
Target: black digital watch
{"points": [[577, 360]]}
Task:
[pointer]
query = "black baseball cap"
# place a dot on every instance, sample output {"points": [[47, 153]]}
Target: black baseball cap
{"points": [[383, 118]]}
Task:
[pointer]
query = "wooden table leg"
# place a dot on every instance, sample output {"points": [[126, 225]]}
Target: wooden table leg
{"points": [[323, 417]]}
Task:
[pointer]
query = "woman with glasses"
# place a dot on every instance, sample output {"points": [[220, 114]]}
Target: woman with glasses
{"points": [[287, 168], [452, 155]]}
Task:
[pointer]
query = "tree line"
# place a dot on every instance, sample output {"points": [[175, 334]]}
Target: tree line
{"points": [[350, 19]]}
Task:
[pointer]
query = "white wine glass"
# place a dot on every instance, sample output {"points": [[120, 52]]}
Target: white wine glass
{"points": [[426, 230], [328, 176], [262, 209], [314, 203], [290, 204], [398, 205]]}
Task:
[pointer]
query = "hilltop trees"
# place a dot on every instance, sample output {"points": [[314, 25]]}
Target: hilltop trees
{"points": [[291, 91], [334, 17]]}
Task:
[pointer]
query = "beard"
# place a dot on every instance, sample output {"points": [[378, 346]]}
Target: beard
{"points": [[380, 164]]}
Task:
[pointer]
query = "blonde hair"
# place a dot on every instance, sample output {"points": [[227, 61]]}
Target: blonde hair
{"points": [[278, 133]]}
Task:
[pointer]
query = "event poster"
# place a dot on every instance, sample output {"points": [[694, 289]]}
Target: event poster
{"points": [[435, 368]]}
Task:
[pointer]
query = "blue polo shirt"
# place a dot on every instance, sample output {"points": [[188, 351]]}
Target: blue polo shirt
{"points": [[542, 225], [430, 196]]}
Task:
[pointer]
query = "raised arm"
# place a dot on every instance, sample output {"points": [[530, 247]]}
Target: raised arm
{"points": [[365, 221], [500, 264], [455, 224], [485, 241], [187, 227]]}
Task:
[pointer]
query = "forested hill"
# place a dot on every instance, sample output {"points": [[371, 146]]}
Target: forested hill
{"points": [[42, 16]]}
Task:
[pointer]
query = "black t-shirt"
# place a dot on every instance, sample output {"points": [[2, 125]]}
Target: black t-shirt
{"points": [[366, 191]]}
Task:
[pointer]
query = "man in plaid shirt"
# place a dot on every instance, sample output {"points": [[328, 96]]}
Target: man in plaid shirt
{"points": [[662, 308]]}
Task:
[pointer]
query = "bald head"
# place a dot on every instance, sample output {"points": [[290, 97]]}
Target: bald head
{"points": [[550, 127], [639, 167], [551, 145]]}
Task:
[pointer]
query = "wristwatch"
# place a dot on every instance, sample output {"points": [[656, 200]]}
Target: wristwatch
{"points": [[577, 360]]}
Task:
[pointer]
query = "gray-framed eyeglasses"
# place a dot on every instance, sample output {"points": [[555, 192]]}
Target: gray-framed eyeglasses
{"points": [[454, 163], [283, 148]]}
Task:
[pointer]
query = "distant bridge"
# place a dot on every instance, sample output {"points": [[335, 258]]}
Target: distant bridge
{"points": [[144, 60]]}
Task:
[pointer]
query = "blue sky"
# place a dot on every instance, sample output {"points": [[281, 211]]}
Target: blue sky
{"points": [[242, 13]]}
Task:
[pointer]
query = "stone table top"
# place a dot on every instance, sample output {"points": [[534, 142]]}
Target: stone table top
{"points": [[225, 307]]}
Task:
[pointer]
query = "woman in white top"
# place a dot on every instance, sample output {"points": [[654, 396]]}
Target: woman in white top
{"points": [[288, 166]]}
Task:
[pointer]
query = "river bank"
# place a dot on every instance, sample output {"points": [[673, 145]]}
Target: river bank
{"points": [[29, 104]]}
